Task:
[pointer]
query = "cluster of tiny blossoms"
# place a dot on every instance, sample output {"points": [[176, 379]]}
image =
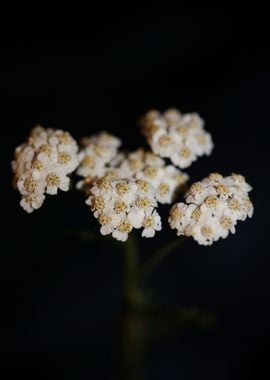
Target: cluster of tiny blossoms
{"points": [[42, 165], [95, 156], [121, 205], [179, 137], [213, 207], [166, 180], [123, 189], [125, 192]]}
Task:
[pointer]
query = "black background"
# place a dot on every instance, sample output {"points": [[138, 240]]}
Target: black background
{"points": [[62, 297]]}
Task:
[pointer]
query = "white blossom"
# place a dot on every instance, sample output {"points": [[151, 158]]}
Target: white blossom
{"points": [[121, 205], [181, 138], [42, 165], [124, 189], [97, 153], [165, 180], [213, 207], [151, 223]]}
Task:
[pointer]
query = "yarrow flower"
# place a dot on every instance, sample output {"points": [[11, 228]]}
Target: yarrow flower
{"points": [[42, 165], [212, 209], [121, 205], [180, 137], [145, 165], [96, 155], [140, 164], [124, 189]]}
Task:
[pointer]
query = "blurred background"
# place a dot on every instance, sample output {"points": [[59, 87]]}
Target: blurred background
{"points": [[61, 295]]}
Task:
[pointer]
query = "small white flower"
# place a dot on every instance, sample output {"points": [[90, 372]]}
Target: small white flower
{"points": [[31, 202], [56, 180], [108, 223], [136, 217], [122, 230], [151, 223], [206, 233]]}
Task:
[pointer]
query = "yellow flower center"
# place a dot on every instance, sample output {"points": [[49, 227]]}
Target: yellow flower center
{"points": [[64, 138], [30, 184], [104, 219], [30, 198], [44, 148], [89, 162], [104, 184], [37, 165], [53, 179], [182, 131], [165, 140], [150, 172], [120, 207], [196, 214], [142, 202], [195, 188], [135, 164], [234, 204], [216, 177], [98, 203], [176, 213], [185, 152], [206, 231], [143, 185], [211, 201], [226, 222], [63, 158], [222, 189], [125, 226], [164, 188], [122, 188], [148, 222]]}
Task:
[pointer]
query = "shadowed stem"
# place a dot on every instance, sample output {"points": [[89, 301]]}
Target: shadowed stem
{"points": [[151, 264], [132, 292], [134, 275], [132, 346]]}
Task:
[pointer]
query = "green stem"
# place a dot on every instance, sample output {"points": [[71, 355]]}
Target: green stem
{"points": [[158, 256], [132, 292]]}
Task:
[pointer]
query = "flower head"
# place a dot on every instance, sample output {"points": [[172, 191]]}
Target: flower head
{"points": [[213, 207], [181, 138], [42, 165], [149, 168], [145, 166], [124, 188], [97, 151], [121, 205]]}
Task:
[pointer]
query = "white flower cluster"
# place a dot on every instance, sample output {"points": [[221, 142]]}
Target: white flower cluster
{"points": [[124, 188], [127, 194], [180, 137], [42, 165], [213, 207], [121, 205], [145, 165], [96, 155]]}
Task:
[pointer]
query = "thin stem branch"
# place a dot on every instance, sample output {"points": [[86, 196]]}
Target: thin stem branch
{"points": [[159, 255]]}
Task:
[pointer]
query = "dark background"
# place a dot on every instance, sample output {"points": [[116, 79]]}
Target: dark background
{"points": [[61, 296]]}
